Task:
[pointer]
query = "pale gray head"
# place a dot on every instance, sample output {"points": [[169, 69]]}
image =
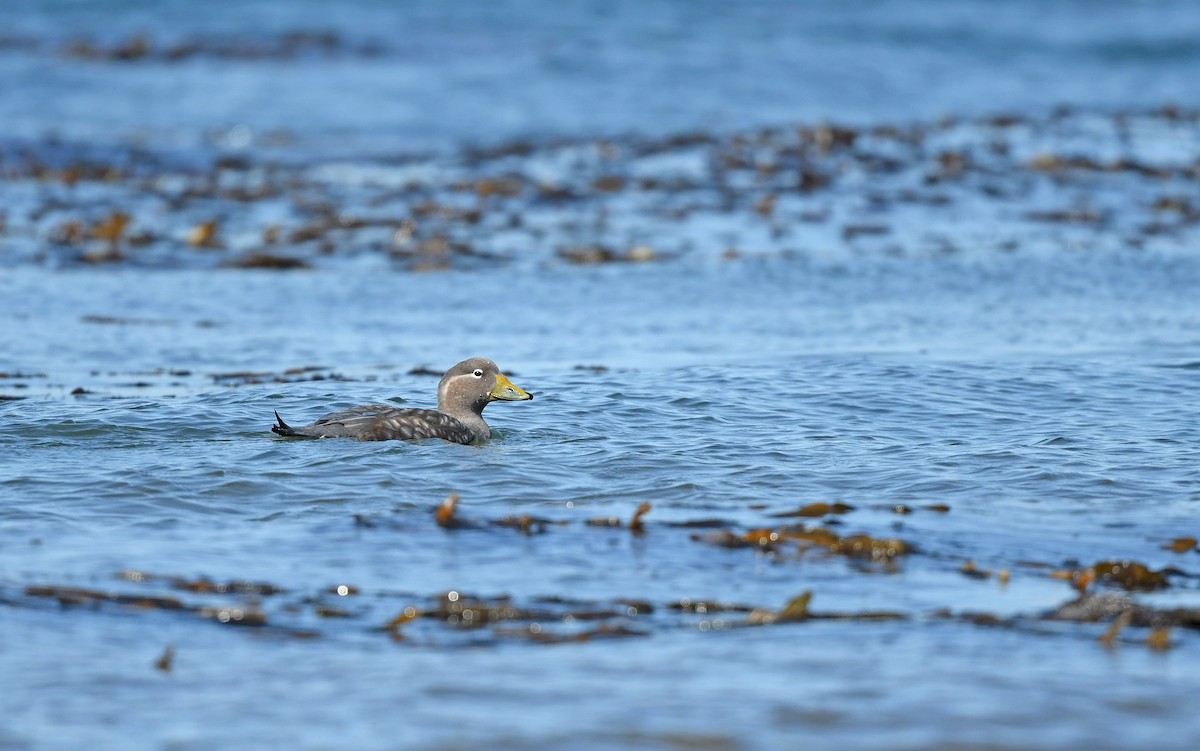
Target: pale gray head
{"points": [[470, 386]]}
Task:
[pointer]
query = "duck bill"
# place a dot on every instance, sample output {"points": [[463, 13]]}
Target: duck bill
{"points": [[506, 391]]}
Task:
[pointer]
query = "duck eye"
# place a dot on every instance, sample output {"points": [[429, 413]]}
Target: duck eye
{"points": [[478, 373]]}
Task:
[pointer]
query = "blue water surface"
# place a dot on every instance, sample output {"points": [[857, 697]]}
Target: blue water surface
{"points": [[991, 357]]}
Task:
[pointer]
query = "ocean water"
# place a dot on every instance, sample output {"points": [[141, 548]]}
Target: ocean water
{"points": [[379, 77], [970, 318]]}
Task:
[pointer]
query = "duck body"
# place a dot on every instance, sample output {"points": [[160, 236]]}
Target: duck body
{"points": [[463, 392], [381, 422]]}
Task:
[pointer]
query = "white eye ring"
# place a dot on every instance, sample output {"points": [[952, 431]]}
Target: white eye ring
{"points": [[478, 373]]}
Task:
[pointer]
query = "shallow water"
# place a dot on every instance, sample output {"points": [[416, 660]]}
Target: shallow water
{"points": [[980, 334]]}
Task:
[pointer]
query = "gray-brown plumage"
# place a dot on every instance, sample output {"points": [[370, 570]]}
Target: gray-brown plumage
{"points": [[463, 392]]}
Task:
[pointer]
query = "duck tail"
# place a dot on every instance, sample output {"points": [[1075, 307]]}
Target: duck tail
{"points": [[282, 428]]}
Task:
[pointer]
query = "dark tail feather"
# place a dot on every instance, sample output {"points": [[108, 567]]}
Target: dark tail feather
{"points": [[282, 428]]}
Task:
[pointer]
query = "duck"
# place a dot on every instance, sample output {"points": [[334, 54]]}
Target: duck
{"points": [[463, 392]]}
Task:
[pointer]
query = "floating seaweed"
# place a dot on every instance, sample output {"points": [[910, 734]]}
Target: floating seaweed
{"points": [[636, 525], [852, 546], [525, 523], [1159, 639], [969, 569], [535, 633], [1181, 545], [815, 510], [476, 204], [798, 609], [1065, 217], [287, 46], [324, 611], [204, 235], [268, 261], [860, 546], [1128, 575], [1095, 608], [445, 514], [603, 521], [166, 660], [704, 607], [598, 254], [291, 375], [1109, 637], [482, 620], [972, 571], [765, 540], [75, 596], [202, 585], [460, 618]]}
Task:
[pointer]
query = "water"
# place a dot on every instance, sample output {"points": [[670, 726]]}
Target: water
{"points": [[415, 76], [988, 355], [1044, 451]]}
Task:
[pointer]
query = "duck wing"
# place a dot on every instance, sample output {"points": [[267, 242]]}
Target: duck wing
{"points": [[381, 422]]}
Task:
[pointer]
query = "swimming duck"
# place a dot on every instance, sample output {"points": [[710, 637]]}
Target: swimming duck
{"points": [[463, 392]]}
